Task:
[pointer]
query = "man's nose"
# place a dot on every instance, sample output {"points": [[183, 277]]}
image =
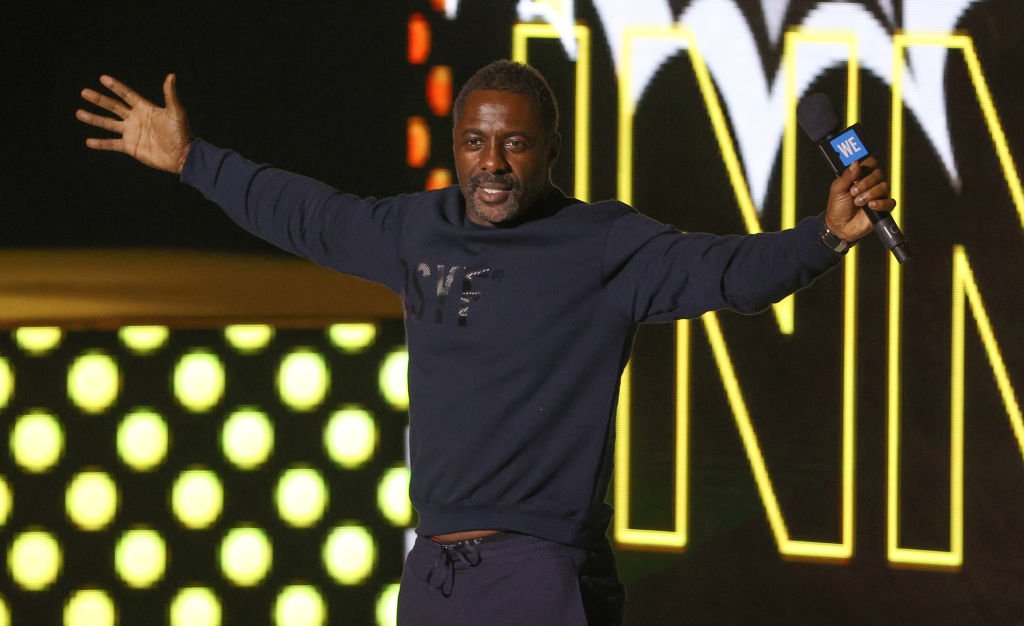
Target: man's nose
{"points": [[493, 159]]}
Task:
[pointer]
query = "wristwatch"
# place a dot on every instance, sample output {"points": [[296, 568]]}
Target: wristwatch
{"points": [[830, 239]]}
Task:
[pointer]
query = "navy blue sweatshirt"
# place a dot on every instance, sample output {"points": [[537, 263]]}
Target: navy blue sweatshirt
{"points": [[517, 336]]}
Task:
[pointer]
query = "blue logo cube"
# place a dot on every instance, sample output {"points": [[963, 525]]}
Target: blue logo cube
{"points": [[849, 147]]}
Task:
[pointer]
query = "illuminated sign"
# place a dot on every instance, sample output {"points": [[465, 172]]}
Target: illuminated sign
{"points": [[842, 31]]}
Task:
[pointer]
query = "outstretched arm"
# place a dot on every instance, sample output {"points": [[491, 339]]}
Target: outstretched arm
{"points": [[157, 136], [661, 275], [293, 212]]}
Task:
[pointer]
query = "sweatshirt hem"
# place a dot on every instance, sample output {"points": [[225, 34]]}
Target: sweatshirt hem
{"points": [[489, 517]]}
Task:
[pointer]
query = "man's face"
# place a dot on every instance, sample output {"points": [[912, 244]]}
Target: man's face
{"points": [[503, 156]]}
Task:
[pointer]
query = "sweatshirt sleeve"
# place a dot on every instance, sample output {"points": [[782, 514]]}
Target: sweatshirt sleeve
{"points": [[303, 216], [655, 273]]}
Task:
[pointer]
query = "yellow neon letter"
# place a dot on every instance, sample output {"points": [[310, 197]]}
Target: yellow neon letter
{"points": [[521, 33], [676, 538], [964, 289]]}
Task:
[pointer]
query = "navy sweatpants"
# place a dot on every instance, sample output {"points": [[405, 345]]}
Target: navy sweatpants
{"points": [[509, 579]]}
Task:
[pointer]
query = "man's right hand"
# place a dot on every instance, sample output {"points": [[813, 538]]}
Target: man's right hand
{"points": [[157, 136]]}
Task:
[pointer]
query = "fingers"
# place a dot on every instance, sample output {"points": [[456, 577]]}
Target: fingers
{"points": [[116, 145], [840, 187], [171, 93], [870, 162], [870, 179], [885, 204], [869, 188], [99, 121], [872, 191], [123, 91], [104, 102]]}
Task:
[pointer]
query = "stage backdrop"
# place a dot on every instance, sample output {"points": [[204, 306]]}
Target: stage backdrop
{"points": [[854, 454]]}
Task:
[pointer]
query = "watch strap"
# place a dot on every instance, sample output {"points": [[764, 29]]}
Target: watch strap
{"points": [[831, 240]]}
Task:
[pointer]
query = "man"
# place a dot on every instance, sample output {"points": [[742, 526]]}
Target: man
{"points": [[521, 305]]}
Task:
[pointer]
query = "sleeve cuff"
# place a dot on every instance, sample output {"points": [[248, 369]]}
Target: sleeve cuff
{"points": [[813, 250], [193, 160]]}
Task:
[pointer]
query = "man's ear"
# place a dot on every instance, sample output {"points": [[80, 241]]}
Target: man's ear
{"points": [[556, 145]]}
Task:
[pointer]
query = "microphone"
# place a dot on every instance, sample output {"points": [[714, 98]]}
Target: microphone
{"points": [[841, 147]]}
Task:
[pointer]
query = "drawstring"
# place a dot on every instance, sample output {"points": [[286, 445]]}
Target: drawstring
{"points": [[465, 551]]}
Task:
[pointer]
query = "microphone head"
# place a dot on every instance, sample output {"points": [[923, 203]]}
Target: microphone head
{"points": [[817, 116]]}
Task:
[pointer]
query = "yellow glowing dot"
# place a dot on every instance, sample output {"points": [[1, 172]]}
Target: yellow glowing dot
{"points": [[197, 498], [195, 606], [301, 496], [303, 379], [245, 556], [5, 613], [93, 382], [6, 501], [352, 338], [350, 437], [393, 496], [199, 380], [387, 605], [249, 338], [140, 557], [34, 559], [90, 607], [142, 440], [300, 605], [144, 340], [37, 340], [6, 382], [349, 554], [37, 441], [91, 500], [247, 438], [393, 379]]}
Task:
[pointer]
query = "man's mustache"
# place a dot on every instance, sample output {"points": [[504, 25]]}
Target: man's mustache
{"points": [[502, 180]]}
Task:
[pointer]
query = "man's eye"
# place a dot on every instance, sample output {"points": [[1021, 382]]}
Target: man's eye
{"points": [[515, 144], [475, 142]]}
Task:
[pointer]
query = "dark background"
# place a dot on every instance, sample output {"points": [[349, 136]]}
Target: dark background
{"points": [[317, 87], [324, 88]]}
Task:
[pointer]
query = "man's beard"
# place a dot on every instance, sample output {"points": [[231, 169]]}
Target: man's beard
{"points": [[494, 214]]}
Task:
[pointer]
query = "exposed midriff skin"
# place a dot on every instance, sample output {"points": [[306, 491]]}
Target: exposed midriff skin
{"points": [[465, 535]]}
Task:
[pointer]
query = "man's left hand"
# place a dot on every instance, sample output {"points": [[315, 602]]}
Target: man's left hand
{"points": [[861, 185]]}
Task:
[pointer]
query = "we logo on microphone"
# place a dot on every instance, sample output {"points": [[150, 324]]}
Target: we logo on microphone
{"points": [[848, 146]]}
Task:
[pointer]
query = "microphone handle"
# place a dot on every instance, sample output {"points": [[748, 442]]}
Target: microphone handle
{"points": [[889, 233]]}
